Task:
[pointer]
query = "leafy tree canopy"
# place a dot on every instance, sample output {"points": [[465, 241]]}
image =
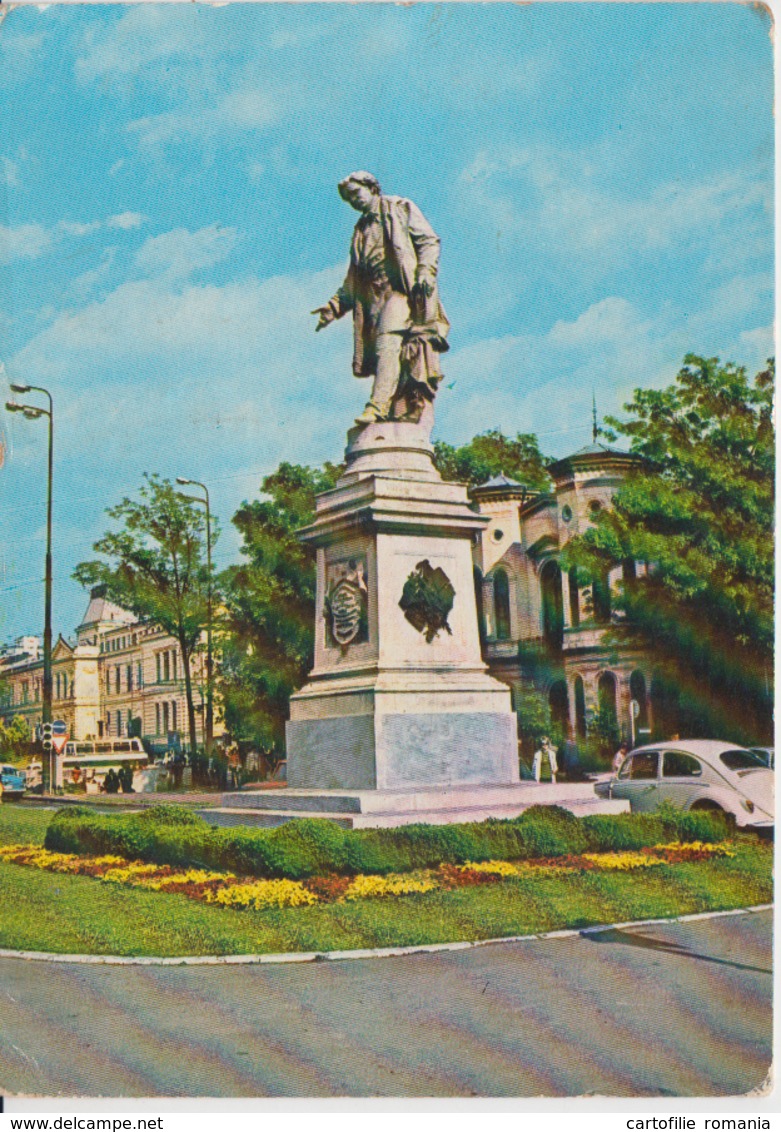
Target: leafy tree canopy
{"points": [[15, 739], [699, 511], [155, 566], [269, 606], [490, 454]]}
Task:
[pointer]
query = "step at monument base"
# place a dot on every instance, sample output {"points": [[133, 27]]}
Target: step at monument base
{"points": [[366, 809]]}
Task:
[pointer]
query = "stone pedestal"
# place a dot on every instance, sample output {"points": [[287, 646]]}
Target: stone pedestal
{"points": [[399, 697]]}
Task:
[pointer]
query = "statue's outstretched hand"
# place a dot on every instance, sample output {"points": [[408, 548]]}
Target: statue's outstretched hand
{"points": [[326, 315]]}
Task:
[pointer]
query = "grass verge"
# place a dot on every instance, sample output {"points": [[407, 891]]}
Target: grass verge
{"points": [[41, 911]]}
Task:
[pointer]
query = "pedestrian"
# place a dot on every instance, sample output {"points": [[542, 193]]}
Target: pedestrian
{"points": [[570, 755], [547, 751], [619, 757]]}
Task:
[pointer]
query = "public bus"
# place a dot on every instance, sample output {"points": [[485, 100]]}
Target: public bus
{"points": [[87, 762]]}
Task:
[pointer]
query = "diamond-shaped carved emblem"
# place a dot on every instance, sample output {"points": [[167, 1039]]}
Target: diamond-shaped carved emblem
{"points": [[427, 599]]}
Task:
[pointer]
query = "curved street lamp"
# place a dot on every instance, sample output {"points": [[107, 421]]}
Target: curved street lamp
{"points": [[32, 413]]}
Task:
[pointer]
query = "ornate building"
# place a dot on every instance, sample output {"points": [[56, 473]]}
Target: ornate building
{"points": [[121, 677], [539, 627]]}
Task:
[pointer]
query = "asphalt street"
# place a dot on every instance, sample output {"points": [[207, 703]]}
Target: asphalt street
{"points": [[663, 1010]]}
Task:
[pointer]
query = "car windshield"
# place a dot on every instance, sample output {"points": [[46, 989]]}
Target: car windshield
{"points": [[742, 760]]}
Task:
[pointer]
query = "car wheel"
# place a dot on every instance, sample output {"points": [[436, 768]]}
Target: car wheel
{"points": [[705, 805]]}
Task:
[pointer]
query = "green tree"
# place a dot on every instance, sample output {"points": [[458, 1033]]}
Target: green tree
{"points": [[535, 720], [156, 568], [268, 638], [15, 739], [699, 511], [490, 454]]}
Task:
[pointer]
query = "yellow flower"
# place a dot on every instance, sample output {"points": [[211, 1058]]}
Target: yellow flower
{"points": [[192, 876], [263, 894], [717, 850], [622, 861], [391, 885], [498, 868], [130, 873]]}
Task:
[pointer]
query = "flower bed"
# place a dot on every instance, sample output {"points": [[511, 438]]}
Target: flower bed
{"points": [[232, 891], [307, 848]]}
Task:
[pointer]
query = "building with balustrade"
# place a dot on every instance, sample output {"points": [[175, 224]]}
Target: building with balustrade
{"points": [[539, 628]]}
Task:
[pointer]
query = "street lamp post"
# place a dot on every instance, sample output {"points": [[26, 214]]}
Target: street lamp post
{"points": [[209, 722], [33, 412]]}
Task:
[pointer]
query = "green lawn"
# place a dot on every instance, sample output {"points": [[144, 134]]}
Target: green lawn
{"points": [[43, 911]]}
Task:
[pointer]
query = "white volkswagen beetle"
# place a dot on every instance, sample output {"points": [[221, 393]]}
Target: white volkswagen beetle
{"points": [[696, 774]]}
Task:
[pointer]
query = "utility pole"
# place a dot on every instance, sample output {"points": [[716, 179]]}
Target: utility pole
{"points": [[209, 721], [33, 412]]}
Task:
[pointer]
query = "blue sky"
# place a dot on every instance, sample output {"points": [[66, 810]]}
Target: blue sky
{"points": [[600, 175]]}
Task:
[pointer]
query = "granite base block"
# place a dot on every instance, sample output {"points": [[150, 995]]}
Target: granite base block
{"points": [[403, 751], [336, 753]]}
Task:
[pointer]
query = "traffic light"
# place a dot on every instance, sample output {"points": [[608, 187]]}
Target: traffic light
{"points": [[46, 736]]}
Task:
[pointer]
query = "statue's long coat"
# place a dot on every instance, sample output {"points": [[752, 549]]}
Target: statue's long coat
{"points": [[414, 245]]}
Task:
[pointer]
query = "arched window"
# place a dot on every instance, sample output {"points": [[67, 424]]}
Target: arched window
{"points": [[478, 578], [502, 605], [552, 605], [559, 705], [580, 707], [574, 598], [637, 690], [607, 695]]}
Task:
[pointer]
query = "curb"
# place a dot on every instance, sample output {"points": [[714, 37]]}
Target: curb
{"points": [[359, 953]]}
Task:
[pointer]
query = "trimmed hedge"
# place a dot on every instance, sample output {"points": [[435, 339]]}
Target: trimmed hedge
{"points": [[173, 835]]}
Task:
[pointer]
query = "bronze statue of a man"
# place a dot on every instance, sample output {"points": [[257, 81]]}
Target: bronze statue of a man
{"points": [[400, 328]]}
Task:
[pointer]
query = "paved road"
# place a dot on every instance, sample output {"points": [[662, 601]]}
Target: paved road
{"points": [[671, 1010]]}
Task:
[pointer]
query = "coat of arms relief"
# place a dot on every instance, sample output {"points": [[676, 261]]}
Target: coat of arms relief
{"points": [[346, 603]]}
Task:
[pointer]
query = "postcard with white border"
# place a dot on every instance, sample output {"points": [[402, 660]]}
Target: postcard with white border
{"points": [[386, 551]]}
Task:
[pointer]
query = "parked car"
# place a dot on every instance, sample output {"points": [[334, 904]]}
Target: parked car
{"points": [[696, 774], [767, 754], [34, 776], [13, 782]]}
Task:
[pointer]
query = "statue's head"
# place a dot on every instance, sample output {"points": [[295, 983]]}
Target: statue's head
{"points": [[360, 190]]}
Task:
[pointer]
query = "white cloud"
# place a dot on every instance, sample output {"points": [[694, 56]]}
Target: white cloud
{"points": [[89, 281], [247, 108], [558, 198], [10, 170], [25, 241], [181, 253], [76, 228], [543, 382], [126, 220], [204, 373], [20, 50], [29, 241], [610, 320], [147, 37]]}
